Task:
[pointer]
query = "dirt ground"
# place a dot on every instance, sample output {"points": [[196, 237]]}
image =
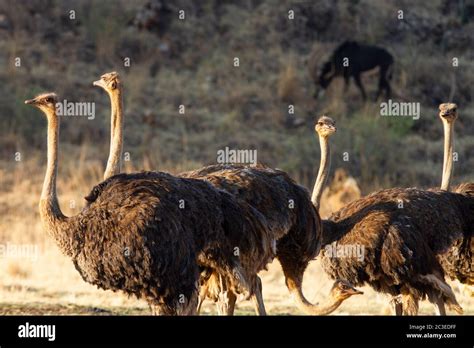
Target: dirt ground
{"points": [[43, 281], [53, 287]]}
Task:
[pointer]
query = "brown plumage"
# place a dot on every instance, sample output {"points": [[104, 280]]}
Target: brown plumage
{"points": [[457, 261], [403, 234], [207, 230], [148, 233], [294, 222], [254, 249]]}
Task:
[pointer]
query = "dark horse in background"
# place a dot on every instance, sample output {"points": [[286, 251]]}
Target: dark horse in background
{"points": [[350, 59]]}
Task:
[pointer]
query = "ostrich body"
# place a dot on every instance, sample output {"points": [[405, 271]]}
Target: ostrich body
{"points": [[253, 249], [136, 236], [401, 232], [399, 254], [457, 261], [294, 222]]}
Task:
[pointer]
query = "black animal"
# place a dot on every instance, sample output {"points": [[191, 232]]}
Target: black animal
{"points": [[350, 59]]}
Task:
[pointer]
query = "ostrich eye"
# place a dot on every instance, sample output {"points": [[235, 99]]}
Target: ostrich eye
{"points": [[320, 123], [113, 85], [49, 100]]}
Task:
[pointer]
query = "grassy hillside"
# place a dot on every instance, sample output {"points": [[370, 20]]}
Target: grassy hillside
{"points": [[190, 62]]}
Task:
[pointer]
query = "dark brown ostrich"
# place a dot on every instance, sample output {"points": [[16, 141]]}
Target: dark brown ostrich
{"points": [[457, 261], [289, 213], [396, 230], [146, 234], [287, 208], [254, 250], [461, 266], [294, 221]]}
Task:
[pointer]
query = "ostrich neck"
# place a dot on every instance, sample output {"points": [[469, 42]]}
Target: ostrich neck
{"points": [[448, 156], [49, 186], [329, 306], [323, 171], [116, 135], [53, 220]]}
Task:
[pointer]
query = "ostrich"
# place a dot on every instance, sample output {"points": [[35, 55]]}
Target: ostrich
{"points": [[293, 221], [146, 234], [252, 258], [272, 192], [392, 227], [457, 260]]}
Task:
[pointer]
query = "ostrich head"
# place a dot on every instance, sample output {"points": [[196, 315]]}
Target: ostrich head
{"points": [[448, 112], [110, 82], [46, 102], [325, 126], [342, 290]]}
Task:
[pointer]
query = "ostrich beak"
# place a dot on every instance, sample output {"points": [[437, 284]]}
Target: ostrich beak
{"points": [[355, 291], [30, 101], [99, 83]]}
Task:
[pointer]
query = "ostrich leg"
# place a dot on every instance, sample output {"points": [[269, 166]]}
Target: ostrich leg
{"points": [[398, 304], [410, 304], [226, 303], [440, 306], [223, 303], [190, 307], [224, 298], [398, 309], [202, 297], [232, 299], [257, 298]]}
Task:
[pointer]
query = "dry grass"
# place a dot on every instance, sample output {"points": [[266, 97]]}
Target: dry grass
{"points": [[289, 90], [47, 283]]}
